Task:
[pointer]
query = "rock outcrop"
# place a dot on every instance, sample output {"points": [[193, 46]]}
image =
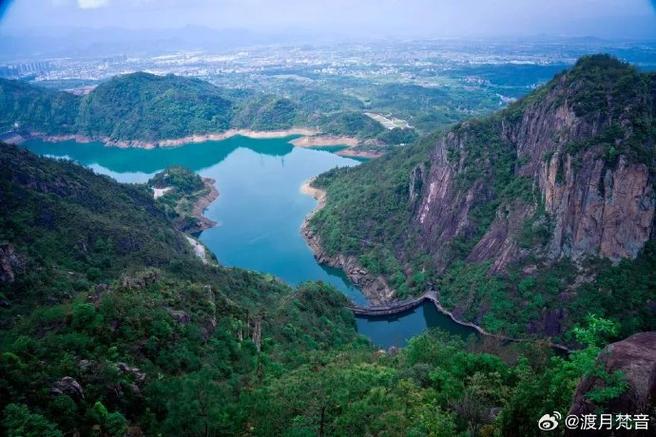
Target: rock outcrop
{"points": [[586, 172], [635, 358], [68, 386], [375, 288], [140, 280], [11, 263]]}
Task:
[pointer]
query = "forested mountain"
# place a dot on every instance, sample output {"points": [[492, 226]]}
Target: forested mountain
{"points": [[48, 111], [524, 221], [63, 227], [148, 107], [110, 326], [143, 108]]}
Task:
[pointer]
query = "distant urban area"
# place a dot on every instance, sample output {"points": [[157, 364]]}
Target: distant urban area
{"points": [[423, 85]]}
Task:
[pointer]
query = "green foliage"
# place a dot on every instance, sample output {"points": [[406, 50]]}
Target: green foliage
{"points": [[20, 422], [431, 108], [112, 424], [398, 136], [351, 124], [536, 230], [372, 211], [84, 317], [49, 111], [618, 92], [70, 226], [379, 232], [184, 189], [149, 107], [180, 178], [188, 349], [195, 346], [266, 113], [622, 293]]}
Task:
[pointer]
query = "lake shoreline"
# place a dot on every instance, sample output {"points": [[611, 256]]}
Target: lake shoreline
{"points": [[374, 288], [201, 204], [308, 137], [360, 277]]}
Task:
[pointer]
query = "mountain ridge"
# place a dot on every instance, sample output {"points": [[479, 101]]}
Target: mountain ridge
{"points": [[116, 327], [146, 110], [517, 209]]}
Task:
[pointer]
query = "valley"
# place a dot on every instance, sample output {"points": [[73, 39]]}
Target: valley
{"points": [[258, 214], [425, 238]]}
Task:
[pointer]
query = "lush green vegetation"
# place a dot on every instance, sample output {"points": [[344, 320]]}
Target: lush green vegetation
{"points": [[368, 215], [109, 323], [372, 211], [27, 106], [184, 189], [154, 341], [352, 124], [72, 228], [430, 108], [398, 135], [146, 107], [606, 87], [267, 113], [184, 181]]}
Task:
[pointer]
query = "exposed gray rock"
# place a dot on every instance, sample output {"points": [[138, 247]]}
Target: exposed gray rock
{"points": [[68, 386], [179, 316], [135, 372], [140, 280], [11, 263], [596, 208]]}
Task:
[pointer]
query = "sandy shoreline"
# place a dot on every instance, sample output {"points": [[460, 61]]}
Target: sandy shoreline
{"points": [[308, 137], [201, 138], [352, 153], [318, 194], [324, 141]]}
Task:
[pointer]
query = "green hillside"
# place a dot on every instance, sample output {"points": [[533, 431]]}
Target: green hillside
{"points": [[108, 326], [27, 106], [148, 107], [374, 211], [143, 107]]}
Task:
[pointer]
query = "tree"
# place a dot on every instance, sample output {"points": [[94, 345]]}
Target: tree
{"points": [[20, 422]]}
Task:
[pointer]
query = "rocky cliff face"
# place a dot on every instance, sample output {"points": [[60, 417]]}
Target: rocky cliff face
{"points": [[565, 173], [11, 263], [374, 287]]}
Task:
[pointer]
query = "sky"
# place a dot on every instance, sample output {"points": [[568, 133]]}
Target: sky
{"points": [[377, 18]]}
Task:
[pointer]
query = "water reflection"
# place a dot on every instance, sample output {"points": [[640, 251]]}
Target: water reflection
{"points": [[260, 211]]}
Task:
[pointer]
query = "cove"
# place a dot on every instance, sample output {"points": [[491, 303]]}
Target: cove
{"points": [[259, 212]]}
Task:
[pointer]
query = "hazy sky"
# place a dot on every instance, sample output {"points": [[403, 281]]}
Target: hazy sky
{"points": [[602, 18]]}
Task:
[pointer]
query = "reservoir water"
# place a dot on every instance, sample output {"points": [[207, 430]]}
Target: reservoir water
{"points": [[259, 211]]}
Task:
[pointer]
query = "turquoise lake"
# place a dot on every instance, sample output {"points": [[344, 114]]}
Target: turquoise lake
{"points": [[259, 211]]}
